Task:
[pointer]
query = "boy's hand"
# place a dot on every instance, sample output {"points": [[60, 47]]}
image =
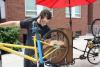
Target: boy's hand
{"points": [[56, 42]]}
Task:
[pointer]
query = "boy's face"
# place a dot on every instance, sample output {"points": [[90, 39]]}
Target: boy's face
{"points": [[45, 20]]}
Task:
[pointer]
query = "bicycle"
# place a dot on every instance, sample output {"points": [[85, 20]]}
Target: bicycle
{"points": [[95, 28], [43, 52], [93, 45], [93, 52]]}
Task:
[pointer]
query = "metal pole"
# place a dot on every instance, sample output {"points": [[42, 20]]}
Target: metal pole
{"points": [[70, 13]]}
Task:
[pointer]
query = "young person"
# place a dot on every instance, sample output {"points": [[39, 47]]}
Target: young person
{"points": [[41, 21], [27, 24]]}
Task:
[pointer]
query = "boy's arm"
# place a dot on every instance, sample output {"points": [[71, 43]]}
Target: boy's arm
{"points": [[10, 24]]}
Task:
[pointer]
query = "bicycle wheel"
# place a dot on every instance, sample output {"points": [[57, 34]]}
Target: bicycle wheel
{"points": [[59, 52], [93, 55], [95, 28]]}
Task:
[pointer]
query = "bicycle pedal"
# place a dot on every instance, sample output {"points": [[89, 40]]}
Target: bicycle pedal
{"points": [[95, 54], [48, 63], [82, 57]]}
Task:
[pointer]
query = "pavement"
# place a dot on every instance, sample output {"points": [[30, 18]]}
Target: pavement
{"points": [[80, 43], [77, 42], [0, 64]]}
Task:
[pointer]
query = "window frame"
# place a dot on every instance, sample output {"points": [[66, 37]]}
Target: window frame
{"points": [[39, 8], [73, 13], [2, 9], [30, 10]]}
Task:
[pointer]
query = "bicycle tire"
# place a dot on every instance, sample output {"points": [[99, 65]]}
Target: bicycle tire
{"points": [[57, 56], [94, 30], [93, 55]]}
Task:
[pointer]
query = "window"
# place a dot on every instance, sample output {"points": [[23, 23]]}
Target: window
{"points": [[0, 13], [2, 9], [33, 10], [30, 8], [75, 12]]}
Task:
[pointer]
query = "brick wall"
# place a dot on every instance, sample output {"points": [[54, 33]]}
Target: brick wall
{"points": [[96, 9], [15, 10]]}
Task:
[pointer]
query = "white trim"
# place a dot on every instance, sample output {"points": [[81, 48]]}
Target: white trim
{"points": [[30, 15], [39, 9]]}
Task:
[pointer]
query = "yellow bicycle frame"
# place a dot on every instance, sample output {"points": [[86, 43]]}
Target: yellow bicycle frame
{"points": [[6, 47]]}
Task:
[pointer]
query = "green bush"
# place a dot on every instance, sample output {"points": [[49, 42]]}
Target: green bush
{"points": [[10, 35]]}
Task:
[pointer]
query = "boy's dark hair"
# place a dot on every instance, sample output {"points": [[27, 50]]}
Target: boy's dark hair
{"points": [[45, 13]]}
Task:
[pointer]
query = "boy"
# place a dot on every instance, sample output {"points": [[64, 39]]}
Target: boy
{"points": [[41, 21]]}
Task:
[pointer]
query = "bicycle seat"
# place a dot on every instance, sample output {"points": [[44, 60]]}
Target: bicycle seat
{"points": [[88, 39]]}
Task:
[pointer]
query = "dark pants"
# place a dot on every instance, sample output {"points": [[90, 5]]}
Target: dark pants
{"points": [[28, 63]]}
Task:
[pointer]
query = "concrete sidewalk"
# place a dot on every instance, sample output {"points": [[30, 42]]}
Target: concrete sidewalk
{"points": [[80, 43]]}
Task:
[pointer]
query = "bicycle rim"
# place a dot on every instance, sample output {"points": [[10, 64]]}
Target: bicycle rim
{"points": [[60, 53], [93, 55], [95, 28]]}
